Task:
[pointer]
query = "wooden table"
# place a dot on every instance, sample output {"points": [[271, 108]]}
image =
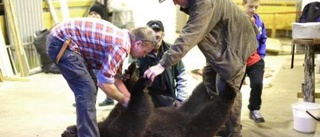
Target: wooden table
{"points": [[308, 88]]}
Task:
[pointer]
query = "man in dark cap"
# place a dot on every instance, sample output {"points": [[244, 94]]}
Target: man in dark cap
{"points": [[156, 25], [169, 88], [227, 38], [97, 10]]}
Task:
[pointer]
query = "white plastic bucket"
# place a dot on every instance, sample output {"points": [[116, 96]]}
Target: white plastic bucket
{"points": [[302, 121]]}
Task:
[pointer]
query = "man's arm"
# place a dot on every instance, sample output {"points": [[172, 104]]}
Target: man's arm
{"points": [[181, 81], [121, 87], [193, 32], [201, 18], [116, 91]]}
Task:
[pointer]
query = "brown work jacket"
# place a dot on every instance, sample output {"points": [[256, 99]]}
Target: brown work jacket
{"points": [[223, 32]]}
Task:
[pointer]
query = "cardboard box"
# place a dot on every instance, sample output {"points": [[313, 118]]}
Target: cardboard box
{"points": [[308, 30]]}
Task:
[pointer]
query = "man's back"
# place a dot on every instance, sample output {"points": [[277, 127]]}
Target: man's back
{"points": [[222, 31]]}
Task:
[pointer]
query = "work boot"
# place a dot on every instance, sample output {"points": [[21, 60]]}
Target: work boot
{"points": [[106, 102], [256, 116]]}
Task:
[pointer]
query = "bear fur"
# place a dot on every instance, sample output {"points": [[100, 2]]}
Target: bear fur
{"points": [[199, 116]]}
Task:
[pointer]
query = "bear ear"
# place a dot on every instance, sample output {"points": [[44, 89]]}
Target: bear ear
{"points": [[132, 68], [133, 72]]}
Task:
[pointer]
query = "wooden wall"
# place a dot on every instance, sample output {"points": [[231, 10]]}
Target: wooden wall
{"points": [[76, 8], [277, 15]]}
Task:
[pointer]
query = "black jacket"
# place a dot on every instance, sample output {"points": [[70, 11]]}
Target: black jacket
{"points": [[171, 84]]}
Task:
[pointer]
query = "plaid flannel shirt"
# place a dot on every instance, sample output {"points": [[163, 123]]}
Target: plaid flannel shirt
{"points": [[103, 45]]}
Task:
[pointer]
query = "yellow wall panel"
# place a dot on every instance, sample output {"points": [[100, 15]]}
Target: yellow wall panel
{"points": [[276, 15], [47, 20], [3, 27], [76, 9]]}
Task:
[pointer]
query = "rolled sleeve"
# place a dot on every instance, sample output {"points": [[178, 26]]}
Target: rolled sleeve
{"points": [[104, 79]]}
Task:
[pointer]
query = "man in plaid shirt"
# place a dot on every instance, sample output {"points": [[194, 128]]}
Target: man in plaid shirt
{"points": [[82, 45]]}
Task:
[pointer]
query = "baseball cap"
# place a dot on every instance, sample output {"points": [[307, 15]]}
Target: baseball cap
{"points": [[156, 25]]}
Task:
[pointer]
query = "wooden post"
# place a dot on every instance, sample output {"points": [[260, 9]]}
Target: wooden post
{"points": [[88, 10], [53, 12], [274, 28], [13, 27], [64, 10], [5, 64], [309, 76], [308, 88]]}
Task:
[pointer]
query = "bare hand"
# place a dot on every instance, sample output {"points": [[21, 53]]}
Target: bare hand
{"points": [[153, 71], [125, 101]]}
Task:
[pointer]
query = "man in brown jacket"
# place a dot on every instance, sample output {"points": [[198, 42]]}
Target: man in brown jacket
{"points": [[226, 36]]}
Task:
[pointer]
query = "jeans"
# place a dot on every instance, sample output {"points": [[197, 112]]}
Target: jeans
{"points": [[74, 70]]}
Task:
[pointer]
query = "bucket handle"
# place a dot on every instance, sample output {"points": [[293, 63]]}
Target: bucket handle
{"points": [[318, 119]]}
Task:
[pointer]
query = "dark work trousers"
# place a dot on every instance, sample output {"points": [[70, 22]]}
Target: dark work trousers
{"points": [[74, 70], [255, 74], [215, 85]]}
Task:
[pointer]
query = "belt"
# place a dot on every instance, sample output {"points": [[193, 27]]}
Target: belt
{"points": [[62, 50]]}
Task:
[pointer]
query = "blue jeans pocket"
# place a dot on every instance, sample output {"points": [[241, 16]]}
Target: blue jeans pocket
{"points": [[72, 65]]}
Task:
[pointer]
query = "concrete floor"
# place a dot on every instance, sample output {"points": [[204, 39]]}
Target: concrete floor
{"points": [[41, 104]]}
